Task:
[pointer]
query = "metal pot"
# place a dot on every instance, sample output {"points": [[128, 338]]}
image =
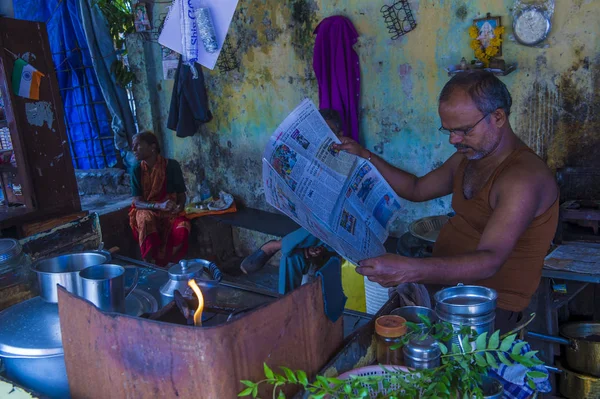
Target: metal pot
{"points": [[581, 354], [578, 386], [31, 347], [64, 270]]}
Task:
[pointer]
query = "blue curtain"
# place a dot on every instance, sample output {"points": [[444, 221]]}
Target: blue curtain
{"points": [[87, 116]]}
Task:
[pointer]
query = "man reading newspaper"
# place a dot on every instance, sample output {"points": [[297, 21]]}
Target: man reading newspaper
{"points": [[504, 196]]}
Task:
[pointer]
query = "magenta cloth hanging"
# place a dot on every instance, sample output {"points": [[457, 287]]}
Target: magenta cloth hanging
{"points": [[337, 70]]}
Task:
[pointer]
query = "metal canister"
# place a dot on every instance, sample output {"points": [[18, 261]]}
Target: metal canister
{"points": [[467, 306], [422, 353]]}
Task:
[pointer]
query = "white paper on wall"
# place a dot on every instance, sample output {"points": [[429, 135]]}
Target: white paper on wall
{"points": [[222, 13]]}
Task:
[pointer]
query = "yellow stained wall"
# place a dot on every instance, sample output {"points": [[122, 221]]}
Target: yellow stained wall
{"points": [[555, 88]]}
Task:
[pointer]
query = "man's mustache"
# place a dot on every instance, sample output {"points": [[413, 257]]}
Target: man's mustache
{"points": [[462, 147]]}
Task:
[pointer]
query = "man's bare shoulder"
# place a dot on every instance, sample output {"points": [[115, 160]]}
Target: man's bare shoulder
{"points": [[528, 167], [529, 174]]}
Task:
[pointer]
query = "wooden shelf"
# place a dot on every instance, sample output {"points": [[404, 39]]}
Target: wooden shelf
{"points": [[509, 69]]}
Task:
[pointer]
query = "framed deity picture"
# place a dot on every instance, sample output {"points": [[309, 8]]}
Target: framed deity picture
{"points": [[485, 27]]}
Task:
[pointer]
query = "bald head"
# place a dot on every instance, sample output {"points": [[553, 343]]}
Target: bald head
{"points": [[483, 88]]}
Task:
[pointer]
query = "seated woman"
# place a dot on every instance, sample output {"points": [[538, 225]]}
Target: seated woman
{"points": [[158, 192]]}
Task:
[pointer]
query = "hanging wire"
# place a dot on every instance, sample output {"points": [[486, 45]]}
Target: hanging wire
{"points": [[398, 18]]}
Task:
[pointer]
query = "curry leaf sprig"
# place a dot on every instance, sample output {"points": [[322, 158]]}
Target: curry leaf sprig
{"points": [[460, 374]]}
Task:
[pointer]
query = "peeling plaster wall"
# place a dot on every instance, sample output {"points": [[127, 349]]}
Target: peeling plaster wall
{"points": [[555, 89]]}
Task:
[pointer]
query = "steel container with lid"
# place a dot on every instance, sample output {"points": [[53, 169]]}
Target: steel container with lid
{"points": [[467, 305], [14, 264], [422, 353], [31, 347], [204, 272]]}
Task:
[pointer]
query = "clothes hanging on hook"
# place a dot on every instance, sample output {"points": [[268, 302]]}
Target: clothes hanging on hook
{"points": [[189, 102], [337, 69]]}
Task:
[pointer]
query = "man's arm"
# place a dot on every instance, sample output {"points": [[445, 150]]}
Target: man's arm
{"points": [[518, 200], [436, 183]]}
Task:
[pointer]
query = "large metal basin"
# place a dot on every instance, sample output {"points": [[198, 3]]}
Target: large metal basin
{"points": [[64, 270]]}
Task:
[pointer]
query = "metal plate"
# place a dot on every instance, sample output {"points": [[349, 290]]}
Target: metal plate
{"points": [[428, 228], [140, 302]]}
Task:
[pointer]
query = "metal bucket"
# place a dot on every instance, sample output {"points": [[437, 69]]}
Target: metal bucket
{"points": [[64, 270]]}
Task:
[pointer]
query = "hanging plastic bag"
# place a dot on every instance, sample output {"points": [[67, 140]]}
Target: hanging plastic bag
{"points": [[189, 35]]}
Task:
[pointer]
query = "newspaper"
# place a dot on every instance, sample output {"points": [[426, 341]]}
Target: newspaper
{"points": [[338, 197]]}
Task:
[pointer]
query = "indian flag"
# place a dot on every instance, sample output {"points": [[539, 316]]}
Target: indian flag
{"points": [[26, 80]]}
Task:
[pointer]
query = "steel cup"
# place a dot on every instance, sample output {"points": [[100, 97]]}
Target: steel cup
{"points": [[104, 286]]}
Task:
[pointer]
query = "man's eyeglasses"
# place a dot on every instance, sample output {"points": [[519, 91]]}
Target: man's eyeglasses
{"points": [[461, 132]]}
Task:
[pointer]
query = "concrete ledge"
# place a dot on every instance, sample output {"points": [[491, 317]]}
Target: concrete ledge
{"points": [[259, 220]]}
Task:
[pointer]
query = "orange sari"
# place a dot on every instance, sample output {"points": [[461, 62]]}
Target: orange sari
{"points": [[159, 233]]}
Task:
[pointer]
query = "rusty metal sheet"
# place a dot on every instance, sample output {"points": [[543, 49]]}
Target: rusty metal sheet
{"points": [[110, 355]]}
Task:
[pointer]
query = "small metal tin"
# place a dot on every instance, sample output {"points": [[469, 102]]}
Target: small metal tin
{"points": [[422, 353]]}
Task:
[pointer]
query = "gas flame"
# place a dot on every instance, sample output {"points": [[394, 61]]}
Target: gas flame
{"points": [[198, 313]]}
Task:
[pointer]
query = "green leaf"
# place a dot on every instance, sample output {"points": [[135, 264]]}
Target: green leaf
{"points": [[522, 360], [443, 348], [481, 341], [280, 379], [491, 361], [480, 360], [255, 391], [536, 374], [323, 381], [347, 389], [425, 320], [268, 371], [412, 326], [290, 375], [507, 342], [455, 348], [281, 395], [318, 396], [503, 359], [531, 354], [246, 392], [466, 344], [516, 350], [247, 383], [531, 384], [494, 340], [442, 388], [302, 379]]}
